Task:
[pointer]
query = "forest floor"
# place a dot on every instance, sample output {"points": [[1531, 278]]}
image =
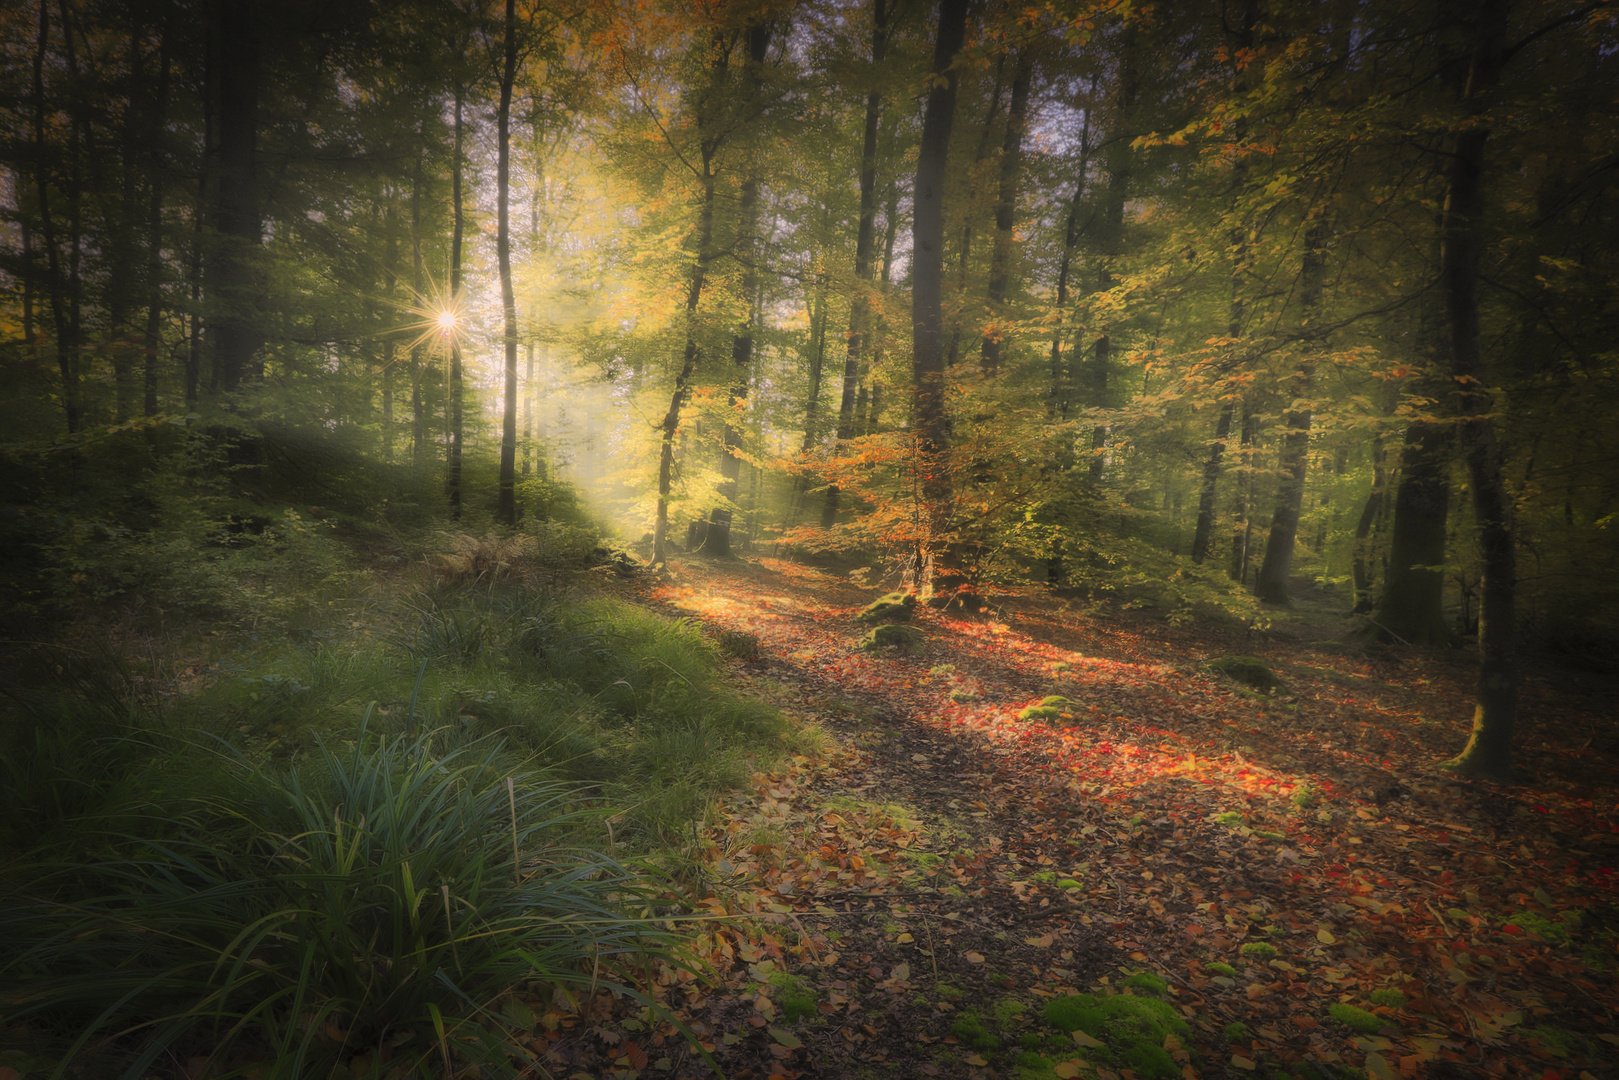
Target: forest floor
{"points": [[907, 903]]}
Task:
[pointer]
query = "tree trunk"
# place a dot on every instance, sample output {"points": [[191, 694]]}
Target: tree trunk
{"points": [[1203, 531], [717, 537], [1489, 747], [66, 347], [154, 229], [1119, 168], [1272, 583], [1000, 263], [506, 505], [1412, 608], [1371, 512], [927, 278], [865, 241], [1061, 376], [418, 283], [453, 432], [232, 280]]}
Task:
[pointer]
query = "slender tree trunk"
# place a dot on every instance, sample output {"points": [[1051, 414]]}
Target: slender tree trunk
{"points": [[1489, 746], [1371, 512], [124, 278], [1242, 526], [927, 278], [670, 424], [154, 229], [66, 347], [1120, 166], [1412, 608], [418, 408], [865, 236], [1203, 531], [454, 418], [1000, 263], [506, 507], [233, 288], [390, 285], [1272, 583], [1061, 377], [717, 537]]}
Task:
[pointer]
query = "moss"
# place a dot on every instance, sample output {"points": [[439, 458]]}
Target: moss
{"points": [[1009, 1011], [1258, 950], [1247, 670], [1355, 1019], [1238, 1033], [1132, 1029], [970, 1031], [1067, 883], [1306, 797], [1394, 999], [1152, 984], [1044, 877], [945, 990], [1032, 1066], [942, 669], [1552, 932], [894, 607], [1230, 819], [904, 638], [795, 997], [1151, 1061], [959, 695], [1220, 969]]}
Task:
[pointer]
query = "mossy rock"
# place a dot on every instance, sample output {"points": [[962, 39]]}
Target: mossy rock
{"points": [[1247, 670], [889, 635], [960, 600], [894, 607]]}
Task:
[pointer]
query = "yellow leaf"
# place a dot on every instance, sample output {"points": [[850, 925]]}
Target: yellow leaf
{"points": [[1240, 1062], [975, 958], [1085, 1040], [905, 939], [1066, 1070], [901, 972], [976, 1059], [1326, 937]]}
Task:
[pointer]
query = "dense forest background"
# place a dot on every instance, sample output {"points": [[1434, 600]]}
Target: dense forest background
{"points": [[1186, 304], [353, 354]]}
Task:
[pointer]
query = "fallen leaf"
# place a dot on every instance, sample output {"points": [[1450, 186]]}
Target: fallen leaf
{"points": [[785, 1038], [975, 958]]}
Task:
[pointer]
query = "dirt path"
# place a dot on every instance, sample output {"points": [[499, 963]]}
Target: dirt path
{"points": [[915, 899]]}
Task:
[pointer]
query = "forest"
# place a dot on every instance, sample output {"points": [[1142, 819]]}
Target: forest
{"points": [[453, 448]]}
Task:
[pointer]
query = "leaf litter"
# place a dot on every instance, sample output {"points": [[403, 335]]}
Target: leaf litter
{"points": [[1313, 896]]}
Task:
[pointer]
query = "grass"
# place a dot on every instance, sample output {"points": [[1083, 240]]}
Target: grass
{"points": [[364, 842], [391, 893]]}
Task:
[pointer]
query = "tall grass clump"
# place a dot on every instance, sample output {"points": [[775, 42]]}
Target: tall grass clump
{"points": [[370, 908]]}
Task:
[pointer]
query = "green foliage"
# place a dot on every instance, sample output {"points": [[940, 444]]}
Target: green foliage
{"points": [[392, 891], [1355, 1019], [903, 638], [1394, 999]]}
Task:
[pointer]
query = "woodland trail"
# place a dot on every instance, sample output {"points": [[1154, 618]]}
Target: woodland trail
{"points": [[946, 860]]}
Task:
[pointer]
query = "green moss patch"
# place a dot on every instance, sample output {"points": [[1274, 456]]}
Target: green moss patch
{"points": [[1355, 1019], [1394, 999], [1131, 1030], [969, 1030], [1258, 950], [894, 607], [1220, 969], [1050, 709], [903, 638], [795, 996]]}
